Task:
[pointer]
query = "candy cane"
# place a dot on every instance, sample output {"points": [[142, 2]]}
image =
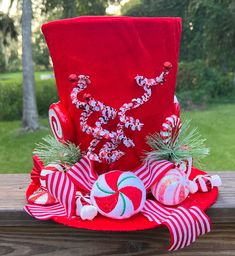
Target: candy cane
{"points": [[170, 129]]}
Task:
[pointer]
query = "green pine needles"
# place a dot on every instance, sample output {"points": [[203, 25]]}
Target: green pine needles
{"points": [[188, 144], [53, 151]]}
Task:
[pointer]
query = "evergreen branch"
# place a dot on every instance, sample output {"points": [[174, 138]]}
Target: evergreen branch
{"points": [[53, 151], [188, 144]]}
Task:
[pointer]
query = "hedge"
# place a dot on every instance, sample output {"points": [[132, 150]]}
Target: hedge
{"points": [[11, 98], [200, 84]]}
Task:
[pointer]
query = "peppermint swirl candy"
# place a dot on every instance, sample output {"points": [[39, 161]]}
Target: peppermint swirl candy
{"points": [[118, 195]]}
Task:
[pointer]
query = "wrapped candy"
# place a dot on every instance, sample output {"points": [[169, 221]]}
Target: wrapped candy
{"points": [[205, 183], [84, 208], [41, 197], [118, 194], [173, 188]]}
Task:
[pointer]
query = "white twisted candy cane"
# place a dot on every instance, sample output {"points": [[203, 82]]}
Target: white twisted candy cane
{"points": [[115, 138], [170, 129]]}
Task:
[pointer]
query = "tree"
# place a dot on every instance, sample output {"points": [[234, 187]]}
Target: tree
{"points": [[73, 8], [7, 33], [208, 27], [40, 52], [30, 114]]}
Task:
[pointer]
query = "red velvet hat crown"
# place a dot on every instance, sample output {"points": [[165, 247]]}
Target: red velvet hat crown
{"points": [[112, 51]]}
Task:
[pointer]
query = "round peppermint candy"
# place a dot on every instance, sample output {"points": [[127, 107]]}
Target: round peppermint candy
{"points": [[118, 195], [173, 188]]}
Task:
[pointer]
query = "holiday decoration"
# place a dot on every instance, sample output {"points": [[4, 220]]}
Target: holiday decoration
{"points": [[51, 168], [42, 197], [53, 151], [206, 183], [173, 188], [118, 135], [175, 142], [61, 124], [109, 150], [170, 130], [84, 208], [118, 195]]}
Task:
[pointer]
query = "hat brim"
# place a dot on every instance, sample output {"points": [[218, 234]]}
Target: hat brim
{"points": [[137, 222]]}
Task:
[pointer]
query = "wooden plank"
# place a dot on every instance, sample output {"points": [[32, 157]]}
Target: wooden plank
{"points": [[59, 241], [22, 235]]}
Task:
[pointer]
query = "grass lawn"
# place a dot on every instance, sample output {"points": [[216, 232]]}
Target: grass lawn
{"points": [[217, 124], [16, 148], [17, 76]]}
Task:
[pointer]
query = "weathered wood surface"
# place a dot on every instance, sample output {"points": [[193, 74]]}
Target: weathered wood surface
{"points": [[22, 235]]}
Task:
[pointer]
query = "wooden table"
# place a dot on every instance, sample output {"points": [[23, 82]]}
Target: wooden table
{"points": [[22, 235]]}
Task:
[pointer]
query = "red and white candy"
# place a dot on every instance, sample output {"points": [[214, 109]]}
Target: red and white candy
{"points": [[60, 122], [41, 197], [170, 129], [206, 183], [118, 194], [173, 188], [84, 208]]}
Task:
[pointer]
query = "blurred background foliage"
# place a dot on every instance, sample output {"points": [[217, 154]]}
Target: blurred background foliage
{"points": [[206, 65]]}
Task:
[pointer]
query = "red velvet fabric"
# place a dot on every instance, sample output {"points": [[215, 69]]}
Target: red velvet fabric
{"points": [[112, 51]]}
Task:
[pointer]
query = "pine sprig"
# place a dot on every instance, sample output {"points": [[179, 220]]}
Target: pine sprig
{"points": [[188, 144], [53, 151]]}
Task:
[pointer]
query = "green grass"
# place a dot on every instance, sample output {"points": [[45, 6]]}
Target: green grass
{"points": [[17, 76], [16, 147], [217, 124]]}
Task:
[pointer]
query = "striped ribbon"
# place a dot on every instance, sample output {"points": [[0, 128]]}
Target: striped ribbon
{"points": [[185, 225], [63, 186], [83, 174], [151, 171]]}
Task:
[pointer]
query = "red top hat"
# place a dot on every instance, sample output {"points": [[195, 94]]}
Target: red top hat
{"points": [[116, 81], [112, 51]]}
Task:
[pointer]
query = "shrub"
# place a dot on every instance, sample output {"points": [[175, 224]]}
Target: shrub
{"points": [[11, 98], [199, 84]]}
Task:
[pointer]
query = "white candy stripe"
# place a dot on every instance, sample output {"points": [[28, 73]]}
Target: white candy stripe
{"points": [[186, 227]]}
